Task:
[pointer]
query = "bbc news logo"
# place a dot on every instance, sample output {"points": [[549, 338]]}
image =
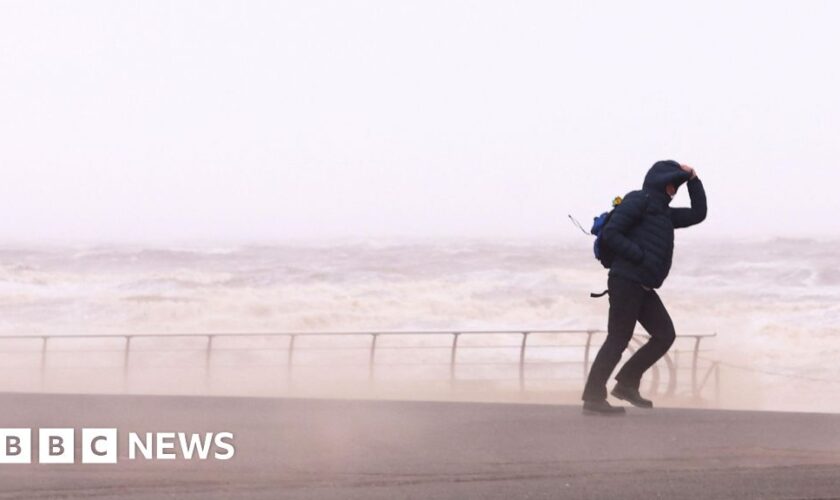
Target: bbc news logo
{"points": [[100, 446]]}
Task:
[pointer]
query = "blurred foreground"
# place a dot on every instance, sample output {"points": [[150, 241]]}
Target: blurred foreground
{"points": [[323, 449]]}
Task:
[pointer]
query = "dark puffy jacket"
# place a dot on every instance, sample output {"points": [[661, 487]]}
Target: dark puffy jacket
{"points": [[641, 228]]}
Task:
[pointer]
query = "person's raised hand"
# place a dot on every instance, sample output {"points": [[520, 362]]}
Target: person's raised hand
{"points": [[690, 170]]}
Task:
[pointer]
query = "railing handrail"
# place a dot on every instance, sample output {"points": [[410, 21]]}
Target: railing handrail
{"points": [[324, 333], [373, 335]]}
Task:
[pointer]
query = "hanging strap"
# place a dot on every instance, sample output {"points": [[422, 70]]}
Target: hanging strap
{"points": [[575, 222], [596, 295]]}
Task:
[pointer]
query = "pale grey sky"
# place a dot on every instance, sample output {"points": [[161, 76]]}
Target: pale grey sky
{"points": [[272, 120]]}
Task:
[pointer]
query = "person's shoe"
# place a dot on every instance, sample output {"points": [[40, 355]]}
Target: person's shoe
{"points": [[631, 395], [601, 408]]}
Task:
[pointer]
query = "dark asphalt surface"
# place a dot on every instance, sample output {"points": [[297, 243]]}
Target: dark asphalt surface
{"points": [[336, 449]]}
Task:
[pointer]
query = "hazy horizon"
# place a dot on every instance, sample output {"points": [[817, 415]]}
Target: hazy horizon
{"points": [[210, 244]]}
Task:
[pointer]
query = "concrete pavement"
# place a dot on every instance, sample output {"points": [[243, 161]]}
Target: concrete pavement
{"points": [[313, 449]]}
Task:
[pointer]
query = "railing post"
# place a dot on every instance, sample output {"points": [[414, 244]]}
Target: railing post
{"points": [[126, 359], [672, 375], [694, 366], [452, 356], [44, 363], [290, 359], [207, 360], [654, 370], [372, 357], [589, 334], [654, 379], [522, 361]]}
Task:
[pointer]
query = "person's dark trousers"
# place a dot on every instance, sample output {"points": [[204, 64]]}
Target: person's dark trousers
{"points": [[629, 302]]}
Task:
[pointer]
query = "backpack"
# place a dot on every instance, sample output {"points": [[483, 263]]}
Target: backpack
{"points": [[603, 253]]}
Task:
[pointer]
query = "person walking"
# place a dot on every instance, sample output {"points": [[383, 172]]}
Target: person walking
{"points": [[640, 232]]}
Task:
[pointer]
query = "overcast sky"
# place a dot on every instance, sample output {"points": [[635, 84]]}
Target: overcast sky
{"points": [[272, 120]]}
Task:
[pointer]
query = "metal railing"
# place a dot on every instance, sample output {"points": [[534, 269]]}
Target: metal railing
{"points": [[670, 360]]}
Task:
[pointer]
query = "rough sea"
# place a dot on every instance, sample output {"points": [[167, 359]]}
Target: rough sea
{"points": [[774, 304]]}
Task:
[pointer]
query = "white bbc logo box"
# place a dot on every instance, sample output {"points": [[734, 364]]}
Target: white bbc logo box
{"points": [[57, 446]]}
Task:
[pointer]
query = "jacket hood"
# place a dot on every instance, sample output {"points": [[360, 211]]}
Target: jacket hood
{"points": [[662, 173]]}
